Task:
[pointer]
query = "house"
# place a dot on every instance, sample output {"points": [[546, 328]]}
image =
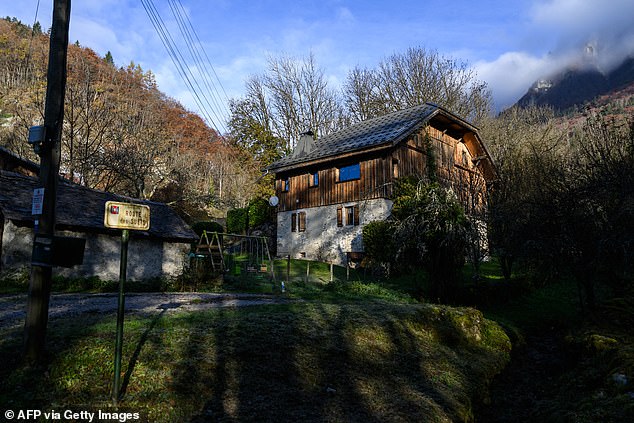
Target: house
{"points": [[328, 189], [159, 252]]}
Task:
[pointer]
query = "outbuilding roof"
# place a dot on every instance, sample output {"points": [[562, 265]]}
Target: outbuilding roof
{"points": [[82, 209], [386, 130]]}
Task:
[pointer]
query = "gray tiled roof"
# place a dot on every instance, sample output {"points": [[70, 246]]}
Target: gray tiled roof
{"points": [[82, 209], [387, 129]]}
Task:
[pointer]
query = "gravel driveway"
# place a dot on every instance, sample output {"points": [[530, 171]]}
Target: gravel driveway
{"points": [[13, 307]]}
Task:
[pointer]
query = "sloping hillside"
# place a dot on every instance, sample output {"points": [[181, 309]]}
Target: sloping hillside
{"points": [[579, 86]]}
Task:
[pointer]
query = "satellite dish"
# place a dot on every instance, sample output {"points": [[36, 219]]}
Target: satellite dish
{"points": [[274, 201]]}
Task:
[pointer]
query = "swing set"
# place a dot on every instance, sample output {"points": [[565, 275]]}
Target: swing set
{"points": [[235, 254]]}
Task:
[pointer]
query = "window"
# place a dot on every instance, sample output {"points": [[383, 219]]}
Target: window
{"points": [[314, 179], [286, 184], [349, 173], [351, 216], [395, 168], [298, 222]]}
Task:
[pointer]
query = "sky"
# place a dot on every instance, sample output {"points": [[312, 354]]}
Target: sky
{"points": [[509, 44]]}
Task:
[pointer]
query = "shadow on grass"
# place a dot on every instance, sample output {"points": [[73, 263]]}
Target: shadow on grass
{"points": [[36, 387], [303, 361], [329, 363], [142, 341], [268, 367]]}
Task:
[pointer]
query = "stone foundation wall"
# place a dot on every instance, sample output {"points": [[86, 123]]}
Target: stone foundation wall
{"points": [[323, 240], [146, 258]]}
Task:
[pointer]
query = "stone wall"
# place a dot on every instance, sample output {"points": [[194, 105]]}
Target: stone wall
{"points": [[146, 258], [323, 240]]}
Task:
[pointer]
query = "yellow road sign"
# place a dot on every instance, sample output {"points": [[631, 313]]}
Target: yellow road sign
{"points": [[127, 216]]}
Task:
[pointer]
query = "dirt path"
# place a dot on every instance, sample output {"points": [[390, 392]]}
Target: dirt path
{"points": [[13, 307]]}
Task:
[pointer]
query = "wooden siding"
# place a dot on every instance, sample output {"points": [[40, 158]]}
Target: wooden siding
{"points": [[453, 161]]}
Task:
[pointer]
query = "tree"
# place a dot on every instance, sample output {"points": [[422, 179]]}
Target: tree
{"points": [[292, 96], [109, 59], [563, 205], [600, 215], [430, 230], [121, 134], [89, 117], [519, 140], [253, 134], [415, 77], [379, 246], [22, 84]]}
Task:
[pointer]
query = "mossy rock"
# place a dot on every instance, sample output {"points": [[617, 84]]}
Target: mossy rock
{"points": [[598, 343], [468, 326]]}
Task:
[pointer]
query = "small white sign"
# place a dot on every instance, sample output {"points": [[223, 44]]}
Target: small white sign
{"points": [[38, 201]]}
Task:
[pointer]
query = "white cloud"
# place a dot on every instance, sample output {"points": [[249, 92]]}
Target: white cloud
{"points": [[555, 38], [604, 24], [511, 74]]}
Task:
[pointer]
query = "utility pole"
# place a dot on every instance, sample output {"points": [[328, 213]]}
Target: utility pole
{"points": [[49, 151]]}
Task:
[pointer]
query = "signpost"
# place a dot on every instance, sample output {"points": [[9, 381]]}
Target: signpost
{"points": [[125, 216]]}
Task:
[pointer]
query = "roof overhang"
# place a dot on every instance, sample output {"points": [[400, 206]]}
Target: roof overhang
{"points": [[452, 124], [332, 158]]}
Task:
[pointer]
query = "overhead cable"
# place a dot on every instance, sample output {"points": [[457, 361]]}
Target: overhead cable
{"points": [[206, 108]]}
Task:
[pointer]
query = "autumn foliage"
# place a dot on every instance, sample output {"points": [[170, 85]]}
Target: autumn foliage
{"points": [[121, 133]]}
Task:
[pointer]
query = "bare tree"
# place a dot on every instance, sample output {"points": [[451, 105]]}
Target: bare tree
{"points": [[291, 97], [514, 138], [88, 118], [415, 77]]}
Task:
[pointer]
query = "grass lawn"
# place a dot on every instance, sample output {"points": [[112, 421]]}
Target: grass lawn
{"points": [[370, 361], [349, 350]]}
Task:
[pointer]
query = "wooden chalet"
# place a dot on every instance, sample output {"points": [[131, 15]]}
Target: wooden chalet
{"points": [[327, 189]]}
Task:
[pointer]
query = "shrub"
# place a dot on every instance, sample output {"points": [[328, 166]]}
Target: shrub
{"points": [[237, 221], [259, 212], [378, 243]]}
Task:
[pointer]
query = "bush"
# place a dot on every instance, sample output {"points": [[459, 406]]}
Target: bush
{"points": [[237, 221], [378, 243], [259, 212]]}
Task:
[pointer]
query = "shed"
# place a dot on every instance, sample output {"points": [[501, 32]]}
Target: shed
{"points": [[159, 252]]}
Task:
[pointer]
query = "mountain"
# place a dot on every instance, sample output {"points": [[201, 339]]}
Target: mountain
{"points": [[579, 86]]}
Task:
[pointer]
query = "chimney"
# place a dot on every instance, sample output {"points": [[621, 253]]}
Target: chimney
{"points": [[305, 144]]}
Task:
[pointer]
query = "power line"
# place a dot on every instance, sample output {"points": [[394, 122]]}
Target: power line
{"points": [[168, 43], [198, 65], [207, 98], [207, 57]]}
